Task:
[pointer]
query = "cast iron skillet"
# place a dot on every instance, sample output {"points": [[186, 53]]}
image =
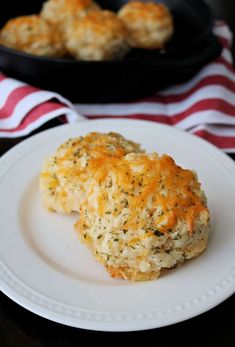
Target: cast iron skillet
{"points": [[137, 75]]}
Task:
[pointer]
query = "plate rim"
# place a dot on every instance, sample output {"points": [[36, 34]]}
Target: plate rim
{"points": [[225, 290]]}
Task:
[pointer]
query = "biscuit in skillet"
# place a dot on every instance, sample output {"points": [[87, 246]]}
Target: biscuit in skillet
{"points": [[150, 25], [31, 34], [99, 35]]}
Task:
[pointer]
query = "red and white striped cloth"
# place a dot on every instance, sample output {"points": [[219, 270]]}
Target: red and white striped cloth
{"points": [[204, 105]]}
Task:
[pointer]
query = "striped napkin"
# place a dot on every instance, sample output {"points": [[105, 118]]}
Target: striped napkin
{"points": [[204, 105]]}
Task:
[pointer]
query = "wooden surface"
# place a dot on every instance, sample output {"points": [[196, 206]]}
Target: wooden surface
{"points": [[19, 327]]}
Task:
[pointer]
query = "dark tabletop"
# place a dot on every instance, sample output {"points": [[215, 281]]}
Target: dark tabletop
{"points": [[19, 327]]}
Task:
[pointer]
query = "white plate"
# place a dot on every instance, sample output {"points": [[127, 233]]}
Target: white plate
{"points": [[45, 268]]}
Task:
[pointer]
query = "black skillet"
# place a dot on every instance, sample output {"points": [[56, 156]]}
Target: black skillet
{"points": [[139, 74]]}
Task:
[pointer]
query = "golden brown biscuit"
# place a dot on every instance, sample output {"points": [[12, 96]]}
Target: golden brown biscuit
{"points": [[65, 174], [59, 11], [31, 34], [100, 35], [142, 214], [150, 25]]}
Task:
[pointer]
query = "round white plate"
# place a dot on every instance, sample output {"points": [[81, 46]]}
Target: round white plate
{"points": [[46, 269]]}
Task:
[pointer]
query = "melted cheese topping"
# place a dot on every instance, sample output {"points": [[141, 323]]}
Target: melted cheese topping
{"points": [[64, 175], [142, 213], [140, 181], [78, 156]]}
